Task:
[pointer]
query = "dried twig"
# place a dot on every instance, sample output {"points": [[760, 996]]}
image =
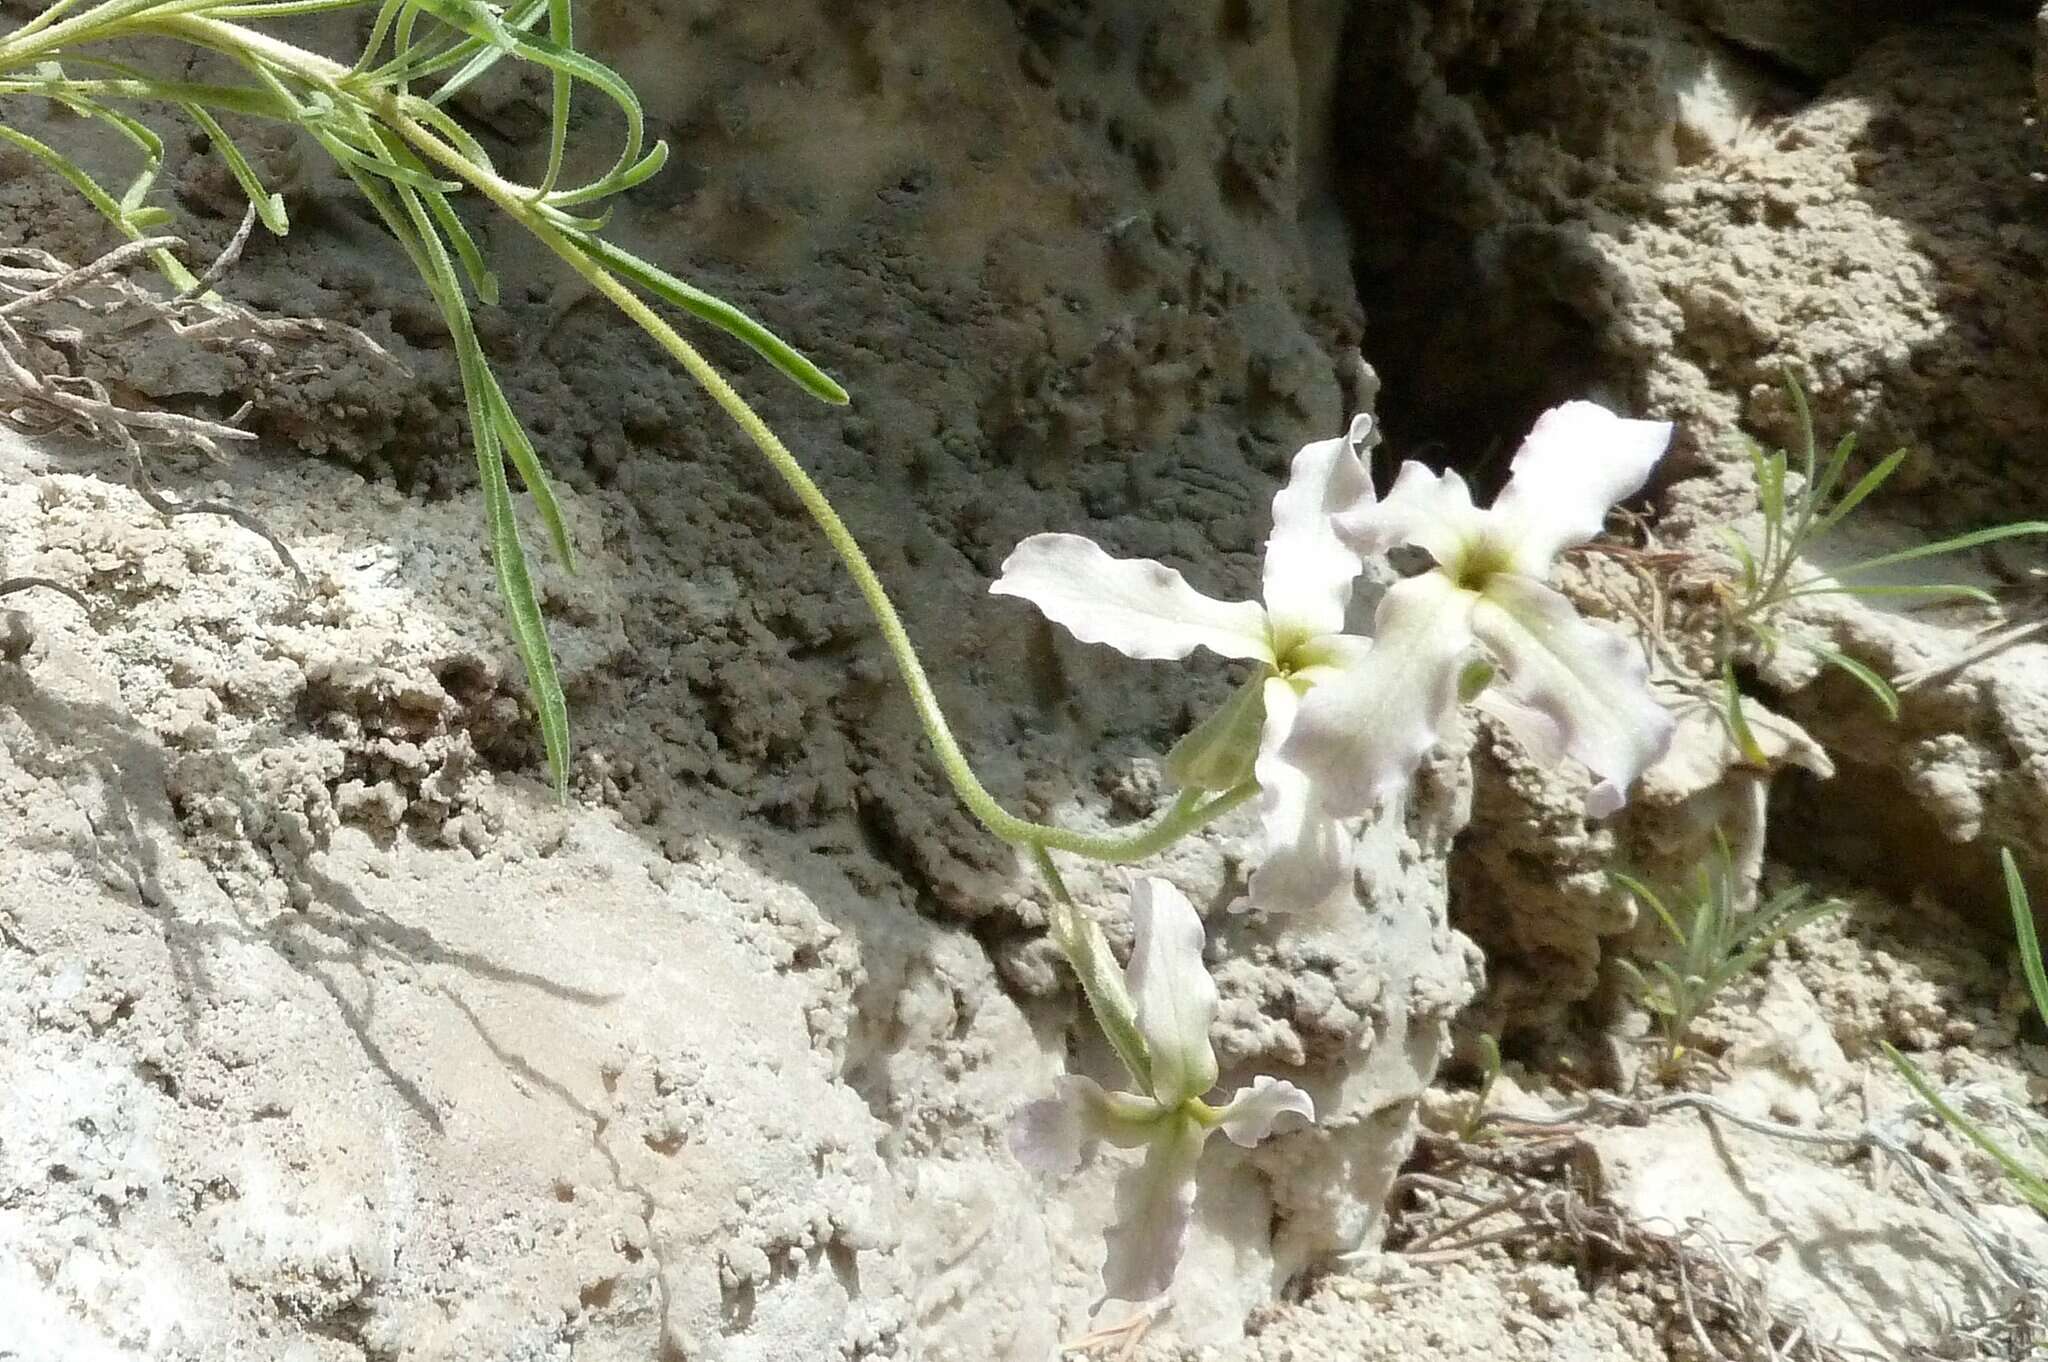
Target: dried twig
{"points": [[2018, 1324], [1717, 1298], [2009, 1261], [10, 585], [42, 401]]}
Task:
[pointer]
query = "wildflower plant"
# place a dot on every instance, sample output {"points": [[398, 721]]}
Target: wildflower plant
{"points": [[1800, 504], [1711, 945], [383, 121], [1484, 619], [1329, 724], [1157, 1018], [1146, 610]]}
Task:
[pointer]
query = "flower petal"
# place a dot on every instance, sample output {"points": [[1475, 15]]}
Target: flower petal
{"points": [[1307, 852], [1050, 1135], [1536, 731], [1175, 997], [1047, 1136], [1252, 1112], [1154, 1204], [1360, 738], [1578, 460], [1309, 570], [1140, 608], [1590, 683], [1433, 511]]}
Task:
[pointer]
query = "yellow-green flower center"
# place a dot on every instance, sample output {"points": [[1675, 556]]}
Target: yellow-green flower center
{"points": [[1477, 561]]}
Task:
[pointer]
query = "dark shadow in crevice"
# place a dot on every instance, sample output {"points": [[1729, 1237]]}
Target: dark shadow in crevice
{"points": [[1477, 315]]}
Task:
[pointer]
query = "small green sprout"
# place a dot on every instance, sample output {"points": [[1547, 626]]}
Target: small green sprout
{"points": [[2029, 1179], [1478, 1122], [1799, 506], [1715, 944]]}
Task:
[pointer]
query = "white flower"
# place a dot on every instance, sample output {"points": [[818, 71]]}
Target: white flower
{"points": [[1564, 687], [1168, 1002], [1146, 610]]}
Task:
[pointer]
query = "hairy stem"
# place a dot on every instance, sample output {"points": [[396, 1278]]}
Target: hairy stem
{"points": [[1187, 813], [404, 115]]}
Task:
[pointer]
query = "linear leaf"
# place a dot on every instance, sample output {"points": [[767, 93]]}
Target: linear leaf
{"points": [[2032, 1186], [1872, 682], [2023, 924], [718, 312], [1865, 485], [1955, 544], [269, 206]]}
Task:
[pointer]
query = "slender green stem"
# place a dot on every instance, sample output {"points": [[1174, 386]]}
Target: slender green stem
{"points": [[1042, 858], [1187, 813], [408, 117]]}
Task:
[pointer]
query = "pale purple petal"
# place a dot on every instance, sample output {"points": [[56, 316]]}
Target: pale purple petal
{"points": [[1359, 738], [1155, 1203], [1541, 739], [1592, 684], [1171, 988], [1309, 571], [1307, 852], [1432, 511], [1252, 1112], [1052, 1134], [1140, 608], [1578, 460], [1048, 1135]]}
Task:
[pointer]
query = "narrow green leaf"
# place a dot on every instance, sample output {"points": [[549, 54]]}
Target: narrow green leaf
{"points": [[1771, 491], [2023, 924], [1805, 416], [562, 32], [1831, 473], [508, 552], [269, 207], [716, 311], [512, 435], [1649, 896], [1865, 485], [2032, 1186], [522, 604], [1955, 544], [1872, 682], [380, 29], [1745, 558], [1930, 591], [1782, 925], [353, 157], [167, 264], [481, 277], [1738, 721]]}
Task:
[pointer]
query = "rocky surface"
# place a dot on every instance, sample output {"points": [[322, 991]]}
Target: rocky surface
{"points": [[326, 1033]]}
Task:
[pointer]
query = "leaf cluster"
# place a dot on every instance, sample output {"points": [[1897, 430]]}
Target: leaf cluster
{"points": [[1803, 498], [383, 122], [1713, 941]]}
